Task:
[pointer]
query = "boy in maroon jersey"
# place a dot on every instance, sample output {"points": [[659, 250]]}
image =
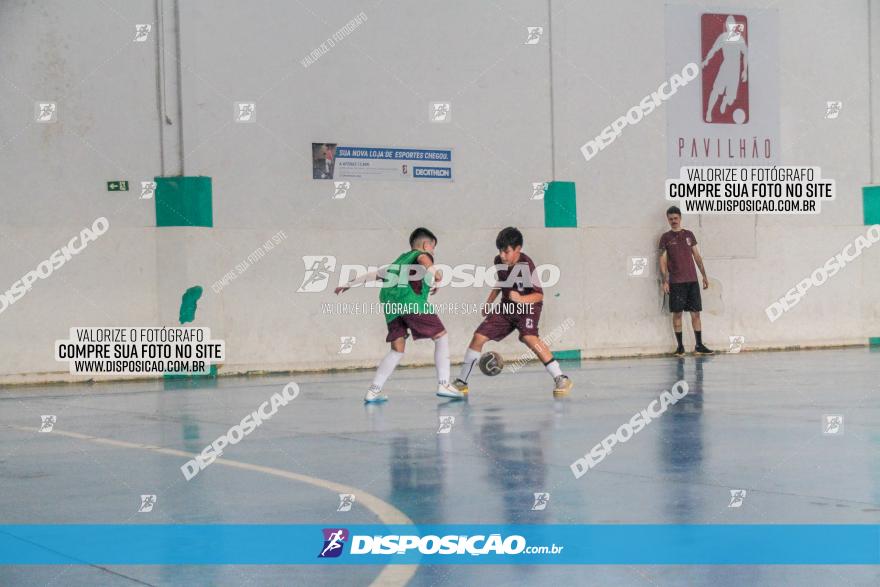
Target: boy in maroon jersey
{"points": [[520, 309], [678, 252]]}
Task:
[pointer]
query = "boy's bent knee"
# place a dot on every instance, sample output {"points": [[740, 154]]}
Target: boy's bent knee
{"points": [[477, 342]]}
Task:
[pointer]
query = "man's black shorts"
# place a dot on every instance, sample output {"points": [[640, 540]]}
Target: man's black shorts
{"points": [[685, 297]]}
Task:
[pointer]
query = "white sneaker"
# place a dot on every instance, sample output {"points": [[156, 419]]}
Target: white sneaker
{"points": [[375, 396], [449, 391]]}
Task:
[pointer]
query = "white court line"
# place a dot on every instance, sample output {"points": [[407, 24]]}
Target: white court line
{"points": [[391, 575]]}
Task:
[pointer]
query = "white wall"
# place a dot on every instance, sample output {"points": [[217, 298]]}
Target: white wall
{"points": [[374, 88]]}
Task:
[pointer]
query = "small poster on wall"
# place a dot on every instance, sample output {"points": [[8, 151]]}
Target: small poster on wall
{"points": [[330, 161]]}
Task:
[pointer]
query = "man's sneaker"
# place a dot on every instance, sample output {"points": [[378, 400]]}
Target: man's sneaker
{"points": [[679, 352], [563, 385], [375, 396], [702, 350], [461, 386], [449, 391]]}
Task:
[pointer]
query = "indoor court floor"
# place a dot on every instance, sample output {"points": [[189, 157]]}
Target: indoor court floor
{"points": [[752, 421]]}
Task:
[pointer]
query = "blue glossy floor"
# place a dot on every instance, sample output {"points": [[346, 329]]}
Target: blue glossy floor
{"points": [[757, 422]]}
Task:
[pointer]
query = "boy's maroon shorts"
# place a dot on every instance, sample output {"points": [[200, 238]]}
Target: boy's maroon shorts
{"points": [[498, 325], [420, 325]]}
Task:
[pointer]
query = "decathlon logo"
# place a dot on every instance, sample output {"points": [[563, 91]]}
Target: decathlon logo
{"points": [[334, 540], [235, 434], [55, 261]]}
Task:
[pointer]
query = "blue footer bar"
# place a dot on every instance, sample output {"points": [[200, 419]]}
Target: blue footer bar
{"points": [[159, 544]]}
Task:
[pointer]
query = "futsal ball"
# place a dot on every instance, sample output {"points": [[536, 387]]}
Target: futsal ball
{"points": [[739, 116], [491, 363]]}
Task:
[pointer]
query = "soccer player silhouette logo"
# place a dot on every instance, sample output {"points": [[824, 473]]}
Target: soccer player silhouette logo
{"points": [[334, 539], [147, 503], [833, 424], [723, 78], [346, 344], [832, 109], [46, 112], [534, 35], [318, 269], [440, 112], [340, 189], [446, 423], [736, 498], [346, 500], [638, 265], [736, 344], [148, 189], [541, 501], [538, 188], [47, 423], [246, 112], [142, 31]]}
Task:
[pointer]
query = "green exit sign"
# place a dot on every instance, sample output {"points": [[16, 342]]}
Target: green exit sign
{"points": [[117, 186]]}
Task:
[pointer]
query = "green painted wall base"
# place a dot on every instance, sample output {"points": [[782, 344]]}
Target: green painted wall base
{"points": [[174, 381], [871, 204], [184, 201], [212, 373], [570, 355], [560, 205]]}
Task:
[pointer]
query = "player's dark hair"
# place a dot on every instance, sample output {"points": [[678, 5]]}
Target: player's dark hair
{"points": [[508, 237], [673, 210], [421, 233]]}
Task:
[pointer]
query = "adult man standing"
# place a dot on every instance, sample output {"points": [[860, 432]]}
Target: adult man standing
{"points": [[678, 252]]}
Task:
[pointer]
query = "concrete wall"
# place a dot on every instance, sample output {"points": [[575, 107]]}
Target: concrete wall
{"points": [[136, 110]]}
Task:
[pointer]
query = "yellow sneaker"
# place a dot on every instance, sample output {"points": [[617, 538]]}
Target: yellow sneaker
{"points": [[460, 386], [563, 385]]}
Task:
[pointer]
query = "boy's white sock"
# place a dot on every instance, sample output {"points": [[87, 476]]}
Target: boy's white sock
{"points": [[553, 368], [470, 357], [441, 359], [385, 369]]}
